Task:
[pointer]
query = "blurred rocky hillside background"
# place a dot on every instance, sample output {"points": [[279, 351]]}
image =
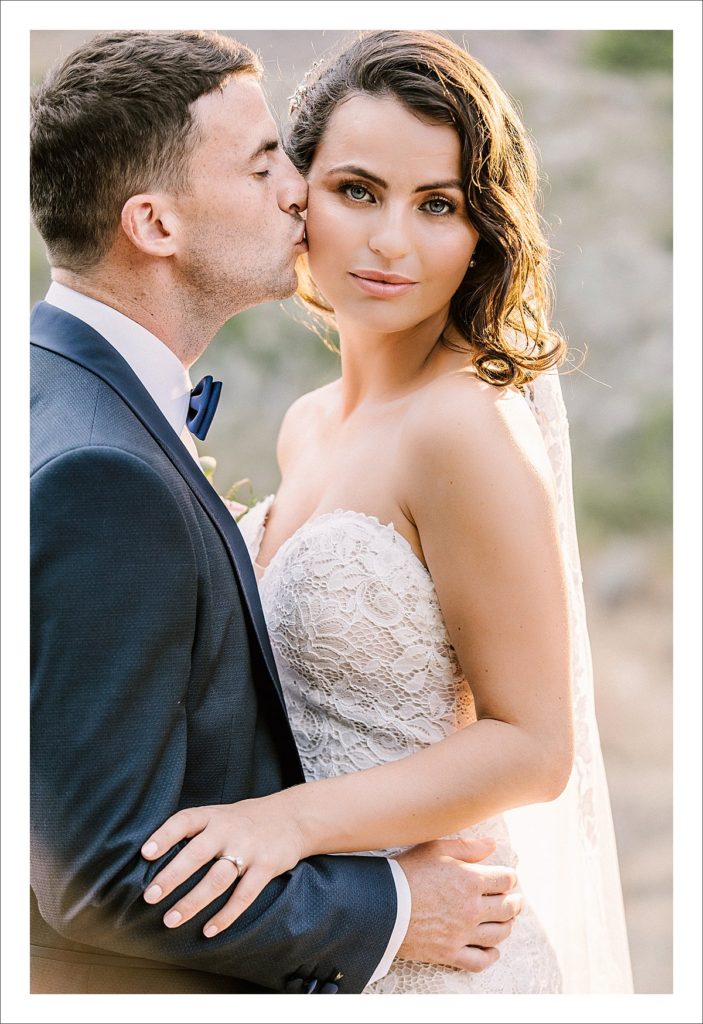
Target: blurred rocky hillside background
{"points": [[599, 106]]}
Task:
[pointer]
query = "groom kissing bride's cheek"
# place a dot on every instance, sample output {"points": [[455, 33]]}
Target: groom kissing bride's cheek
{"points": [[276, 756]]}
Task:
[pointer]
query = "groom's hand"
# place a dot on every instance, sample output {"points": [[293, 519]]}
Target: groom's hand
{"points": [[461, 909]]}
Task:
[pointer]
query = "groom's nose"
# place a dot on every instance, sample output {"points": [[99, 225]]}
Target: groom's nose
{"points": [[293, 189]]}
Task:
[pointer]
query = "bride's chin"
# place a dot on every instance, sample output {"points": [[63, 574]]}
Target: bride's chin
{"points": [[377, 321]]}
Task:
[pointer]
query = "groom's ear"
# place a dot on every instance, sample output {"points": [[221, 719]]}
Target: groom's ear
{"points": [[149, 223]]}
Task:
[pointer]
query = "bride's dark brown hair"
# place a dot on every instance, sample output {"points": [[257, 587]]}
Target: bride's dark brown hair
{"points": [[502, 305]]}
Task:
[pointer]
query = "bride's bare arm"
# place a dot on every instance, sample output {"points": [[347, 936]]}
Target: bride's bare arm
{"points": [[477, 486]]}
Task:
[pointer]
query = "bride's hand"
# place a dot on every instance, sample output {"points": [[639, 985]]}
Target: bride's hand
{"points": [[268, 842]]}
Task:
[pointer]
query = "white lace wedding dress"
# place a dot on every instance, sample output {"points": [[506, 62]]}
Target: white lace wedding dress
{"points": [[369, 676]]}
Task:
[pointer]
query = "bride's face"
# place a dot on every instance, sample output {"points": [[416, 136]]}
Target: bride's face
{"points": [[388, 230]]}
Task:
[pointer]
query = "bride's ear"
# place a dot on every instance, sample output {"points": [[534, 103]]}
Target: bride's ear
{"points": [[149, 223]]}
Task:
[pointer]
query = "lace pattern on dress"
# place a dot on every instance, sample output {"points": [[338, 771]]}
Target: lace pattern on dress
{"points": [[369, 676]]}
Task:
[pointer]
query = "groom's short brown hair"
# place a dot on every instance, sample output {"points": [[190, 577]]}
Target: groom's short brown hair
{"points": [[113, 120]]}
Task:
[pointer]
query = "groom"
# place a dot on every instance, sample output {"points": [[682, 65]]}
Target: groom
{"points": [[167, 206]]}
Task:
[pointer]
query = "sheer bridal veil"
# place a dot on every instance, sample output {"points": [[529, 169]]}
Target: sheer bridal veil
{"points": [[568, 864]]}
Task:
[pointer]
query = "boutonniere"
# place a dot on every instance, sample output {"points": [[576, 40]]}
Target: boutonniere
{"points": [[233, 497]]}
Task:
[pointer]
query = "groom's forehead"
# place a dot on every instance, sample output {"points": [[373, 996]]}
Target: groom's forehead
{"points": [[236, 115]]}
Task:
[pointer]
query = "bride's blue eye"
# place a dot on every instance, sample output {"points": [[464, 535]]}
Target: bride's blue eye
{"points": [[438, 205], [353, 190]]}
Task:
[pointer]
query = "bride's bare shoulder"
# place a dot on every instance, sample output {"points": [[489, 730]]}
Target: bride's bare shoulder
{"points": [[463, 399], [461, 420], [305, 417]]}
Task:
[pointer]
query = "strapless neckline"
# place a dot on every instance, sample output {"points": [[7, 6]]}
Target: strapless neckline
{"points": [[350, 514]]}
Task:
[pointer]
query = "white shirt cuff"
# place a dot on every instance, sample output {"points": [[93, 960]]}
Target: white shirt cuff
{"points": [[401, 922]]}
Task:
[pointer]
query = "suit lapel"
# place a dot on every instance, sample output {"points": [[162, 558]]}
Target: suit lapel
{"points": [[66, 335]]}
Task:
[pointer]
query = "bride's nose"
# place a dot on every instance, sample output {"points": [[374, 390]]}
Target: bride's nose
{"points": [[390, 234]]}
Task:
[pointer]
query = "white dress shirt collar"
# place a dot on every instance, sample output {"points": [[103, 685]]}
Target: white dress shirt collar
{"points": [[158, 368]]}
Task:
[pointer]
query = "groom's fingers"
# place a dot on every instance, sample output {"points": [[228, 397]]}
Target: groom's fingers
{"points": [[497, 880], [491, 934], [467, 848], [501, 908], [248, 888], [475, 959]]}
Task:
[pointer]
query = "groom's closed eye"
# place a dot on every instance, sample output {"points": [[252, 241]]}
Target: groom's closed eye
{"points": [[259, 162]]}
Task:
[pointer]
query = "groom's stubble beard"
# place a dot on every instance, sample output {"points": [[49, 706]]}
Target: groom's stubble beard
{"points": [[219, 278]]}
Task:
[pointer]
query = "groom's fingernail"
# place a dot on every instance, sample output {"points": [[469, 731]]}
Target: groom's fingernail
{"points": [[153, 894], [149, 848], [172, 919], [211, 930]]}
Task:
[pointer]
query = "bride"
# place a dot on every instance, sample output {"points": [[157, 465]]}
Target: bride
{"points": [[418, 567]]}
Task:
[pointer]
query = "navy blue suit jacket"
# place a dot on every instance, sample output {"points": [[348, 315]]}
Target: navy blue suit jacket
{"points": [[154, 688]]}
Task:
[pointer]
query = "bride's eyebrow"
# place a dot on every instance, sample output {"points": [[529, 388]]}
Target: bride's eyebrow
{"points": [[451, 183], [360, 172]]}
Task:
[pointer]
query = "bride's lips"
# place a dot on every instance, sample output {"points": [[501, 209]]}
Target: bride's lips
{"points": [[383, 286], [302, 244]]}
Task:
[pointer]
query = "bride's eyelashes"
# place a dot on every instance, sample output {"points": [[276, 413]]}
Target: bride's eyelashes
{"points": [[449, 206], [358, 193], [348, 188]]}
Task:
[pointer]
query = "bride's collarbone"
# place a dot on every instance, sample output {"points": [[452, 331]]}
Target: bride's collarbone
{"points": [[331, 468]]}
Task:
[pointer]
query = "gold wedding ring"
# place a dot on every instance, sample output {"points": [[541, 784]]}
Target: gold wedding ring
{"points": [[237, 861]]}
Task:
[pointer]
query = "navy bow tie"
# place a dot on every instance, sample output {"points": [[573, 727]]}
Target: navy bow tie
{"points": [[203, 403]]}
